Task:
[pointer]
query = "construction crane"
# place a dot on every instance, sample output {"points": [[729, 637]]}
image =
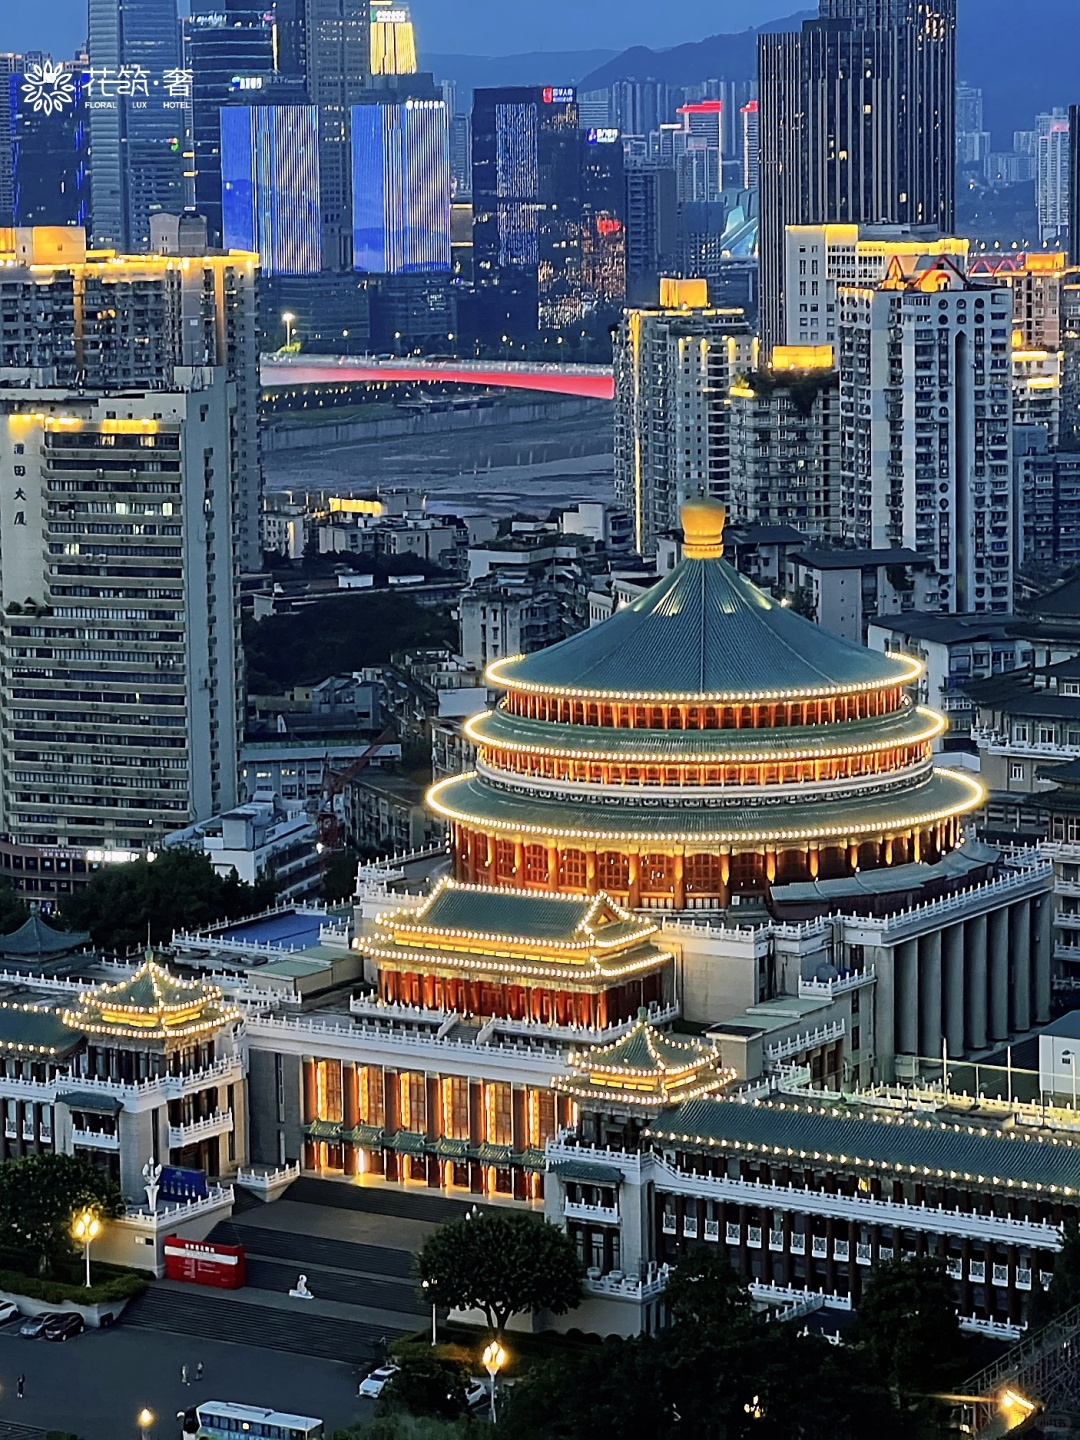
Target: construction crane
{"points": [[328, 821]]}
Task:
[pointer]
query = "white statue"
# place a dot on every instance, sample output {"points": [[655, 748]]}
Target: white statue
{"points": [[151, 1174], [300, 1291]]}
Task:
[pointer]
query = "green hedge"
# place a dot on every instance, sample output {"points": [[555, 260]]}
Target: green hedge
{"points": [[59, 1292]]}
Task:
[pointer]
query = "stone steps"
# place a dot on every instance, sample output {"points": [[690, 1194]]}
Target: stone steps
{"points": [[204, 1314], [314, 1250]]}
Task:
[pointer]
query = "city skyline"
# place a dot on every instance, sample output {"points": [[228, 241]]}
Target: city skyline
{"points": [[484, 29]]}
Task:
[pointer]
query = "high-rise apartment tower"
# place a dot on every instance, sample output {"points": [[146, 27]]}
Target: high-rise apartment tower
{"points": [[857, 121]]}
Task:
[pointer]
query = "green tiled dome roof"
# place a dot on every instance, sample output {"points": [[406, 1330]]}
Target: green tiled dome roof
{"points": [[704, 631]]}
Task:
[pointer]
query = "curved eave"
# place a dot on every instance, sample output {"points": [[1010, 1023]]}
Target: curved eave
{"points": [[500, 729], [467, 800], [904, 670]]}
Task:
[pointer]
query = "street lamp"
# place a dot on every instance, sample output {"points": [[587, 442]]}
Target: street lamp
{"points": [[1068, 1058], [494, 1360], [146, 1419], [290, 320], [429, 1286], [86, 1228]]}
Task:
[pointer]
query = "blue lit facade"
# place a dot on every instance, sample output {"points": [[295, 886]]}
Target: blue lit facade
{"points": [[527, 210], [49, 155], [401, 188], [270, 186]]}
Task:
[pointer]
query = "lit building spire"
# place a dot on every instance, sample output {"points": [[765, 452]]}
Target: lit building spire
{"points": [[393, 42]]}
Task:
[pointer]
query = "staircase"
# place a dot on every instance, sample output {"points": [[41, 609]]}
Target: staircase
{"points": [[1043, 1368]]}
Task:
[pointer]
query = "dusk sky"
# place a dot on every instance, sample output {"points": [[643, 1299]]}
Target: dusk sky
{"points": [[480, 27]]}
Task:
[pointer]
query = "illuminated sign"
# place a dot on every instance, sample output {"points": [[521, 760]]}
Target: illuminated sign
{"points": [[605, 225], [391, 17], [246, 82], [47, 88], [602, 135], [558, 96]]}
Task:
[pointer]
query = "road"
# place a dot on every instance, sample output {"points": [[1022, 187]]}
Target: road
{"points": [[96, 1384]]}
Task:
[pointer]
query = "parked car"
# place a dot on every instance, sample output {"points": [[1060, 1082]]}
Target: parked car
{"points": [[372, 1386], [63, 1326], [8, 1311], [34, 1325]]}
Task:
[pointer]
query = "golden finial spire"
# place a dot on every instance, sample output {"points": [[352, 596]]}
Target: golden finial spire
{"points": [[703, 529]]}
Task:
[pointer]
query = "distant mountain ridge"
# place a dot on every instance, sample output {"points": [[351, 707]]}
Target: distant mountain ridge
{"points": [[717, 57], [1024, 57], [538, 67]]}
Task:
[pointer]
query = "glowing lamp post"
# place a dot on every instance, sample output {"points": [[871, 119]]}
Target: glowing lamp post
{"points": [[429, 1290], [494, 1360], [145, 1419], [86, 1228], [290, 320]]}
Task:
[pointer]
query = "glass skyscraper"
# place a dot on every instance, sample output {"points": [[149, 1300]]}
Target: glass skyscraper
{"points": [[50, 183], [270, 186], [401, 187], [857, 125], [230, 52], [526, 209], [138, 119]]}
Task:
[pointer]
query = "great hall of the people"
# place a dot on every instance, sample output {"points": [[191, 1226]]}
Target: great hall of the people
{"points": [[708, 906]]}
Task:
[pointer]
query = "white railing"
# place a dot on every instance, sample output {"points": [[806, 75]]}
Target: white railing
{"points": [[305, 1027], [370, 1007], [217, 1124], [808, 1040], [95, 1139], [791, 1079], [267, 1180], [46, 982], [860, 1208], [561, 1148], [996, 1329], [827, 989], [601, 1214], [787, 1296], [627, 1287], [170, 1213], [895, 927]]}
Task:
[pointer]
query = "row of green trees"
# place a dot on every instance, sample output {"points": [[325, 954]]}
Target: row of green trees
{"points": [[124, 906], [719, 1369]]}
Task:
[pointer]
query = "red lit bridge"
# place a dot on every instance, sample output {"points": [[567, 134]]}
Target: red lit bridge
{"points": [[592, 381]]}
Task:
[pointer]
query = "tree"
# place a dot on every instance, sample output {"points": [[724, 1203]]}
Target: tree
{"points": [[124, 905], [503, 1264], [616, 1388], [707, 1294], [907, 1325], [14, 910], [40, 1195], [425, 1385], [1064, 1293]]}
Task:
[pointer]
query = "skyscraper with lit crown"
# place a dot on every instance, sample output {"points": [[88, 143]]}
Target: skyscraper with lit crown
{"points": [[857, 124]]}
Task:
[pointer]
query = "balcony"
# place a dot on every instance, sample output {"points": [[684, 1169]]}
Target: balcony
{"points": [[193, 1131], [95, 1139], [862, 1209], [808, 1040], [593, 1214]]}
